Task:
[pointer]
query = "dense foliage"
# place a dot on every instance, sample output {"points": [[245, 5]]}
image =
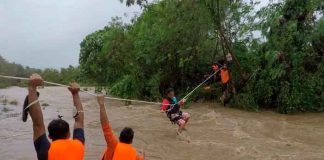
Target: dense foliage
{"points": [[64, 76], [278, 51]]}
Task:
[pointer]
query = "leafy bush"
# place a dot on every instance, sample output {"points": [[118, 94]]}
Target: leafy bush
{"points": [[172, 43]]}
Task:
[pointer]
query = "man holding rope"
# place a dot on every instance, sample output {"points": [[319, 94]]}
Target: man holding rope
{"points": [[117, 150], [62, 147]]}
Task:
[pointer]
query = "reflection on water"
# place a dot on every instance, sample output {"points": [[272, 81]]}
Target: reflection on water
{"points": [[214, 132]]}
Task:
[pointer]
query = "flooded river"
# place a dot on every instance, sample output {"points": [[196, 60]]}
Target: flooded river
{"points": [[214, 132]]}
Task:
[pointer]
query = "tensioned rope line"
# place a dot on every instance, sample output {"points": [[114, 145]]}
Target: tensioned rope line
{"points": [[190, 93], [114, 98], [62, 85]]}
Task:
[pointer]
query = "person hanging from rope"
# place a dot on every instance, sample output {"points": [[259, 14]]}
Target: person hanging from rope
{"points": [[226, 79], [122, 150], [171, 107], [62, 147]]}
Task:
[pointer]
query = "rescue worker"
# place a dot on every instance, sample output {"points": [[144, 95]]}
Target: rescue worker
{"points": [[226, 82], [117, 150], [171, 107], [62, 147], [215, 68]]}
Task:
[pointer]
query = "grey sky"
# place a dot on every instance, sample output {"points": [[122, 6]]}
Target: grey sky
{"points": [[47, 33]]}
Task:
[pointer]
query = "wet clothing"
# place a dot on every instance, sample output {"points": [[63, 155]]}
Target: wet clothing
{"points": [[116, 150], [42, 146], [165, 105], [225, 76], [225, 86], [172, 109], [64, 149], [124, 151]]}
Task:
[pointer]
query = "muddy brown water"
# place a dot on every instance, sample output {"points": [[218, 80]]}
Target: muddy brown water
{"points": [[214, 132]]}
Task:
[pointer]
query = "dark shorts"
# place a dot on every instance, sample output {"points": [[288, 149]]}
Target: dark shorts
{"points": [[225, 87], [42, 144]]}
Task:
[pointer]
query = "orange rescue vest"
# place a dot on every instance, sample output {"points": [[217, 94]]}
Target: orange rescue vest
{"points": [[225, 76], [66, 149], [124, 151]]}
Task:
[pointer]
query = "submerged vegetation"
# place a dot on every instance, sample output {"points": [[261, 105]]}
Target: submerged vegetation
{"points": [[13, 102], [278, 51]]}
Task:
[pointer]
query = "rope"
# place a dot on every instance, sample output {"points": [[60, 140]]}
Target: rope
{"points": [[93, 94], [189, 94], [36, 101], [114, 98]]}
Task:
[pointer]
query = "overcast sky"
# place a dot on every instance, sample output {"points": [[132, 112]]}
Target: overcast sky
{"points": [[47, 33]]}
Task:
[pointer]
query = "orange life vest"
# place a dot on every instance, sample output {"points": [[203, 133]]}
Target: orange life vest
{"points": [[66, 149], [124, 151], [225, 76]]}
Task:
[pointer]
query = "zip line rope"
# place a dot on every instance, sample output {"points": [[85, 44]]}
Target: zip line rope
{"points": [[190, 93], [114, 98]]}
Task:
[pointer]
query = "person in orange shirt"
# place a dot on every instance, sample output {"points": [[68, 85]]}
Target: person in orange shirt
{"points": [[62, 147], [225, 80], [117, 150]]}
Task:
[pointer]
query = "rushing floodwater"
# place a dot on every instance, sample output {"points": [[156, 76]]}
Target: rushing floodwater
{"points": [[214, 132]]}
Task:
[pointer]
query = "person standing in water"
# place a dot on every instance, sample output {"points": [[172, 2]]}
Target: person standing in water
{"points": [[117, 150], [171, 107]]}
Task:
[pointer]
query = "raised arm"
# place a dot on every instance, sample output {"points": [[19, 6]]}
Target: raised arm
{"points": [[103, 115], [110, 138], [35, 110], [79, 117]]}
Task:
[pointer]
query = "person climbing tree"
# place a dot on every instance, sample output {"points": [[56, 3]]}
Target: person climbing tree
{"points": [[122, 150], [171, 107], [61, 148]]}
